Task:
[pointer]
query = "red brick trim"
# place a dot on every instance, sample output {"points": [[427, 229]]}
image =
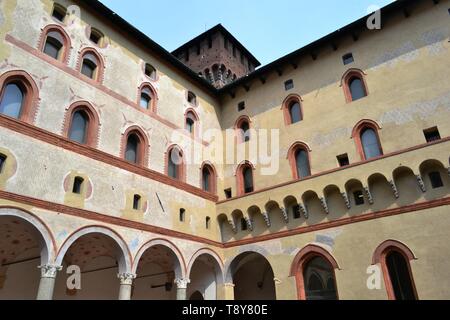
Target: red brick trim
{"points": [[74, 73], [67, 45], [356, 135], [240, 185], [143, 147], [99, 73], [345, 82], [61, 142], [181, 168], [379, 257], [292, 160], [30, 90], [93, 122], [213, 176], [192, 114], [154, 97], [287, 103], [301, 260], [237, 127]]}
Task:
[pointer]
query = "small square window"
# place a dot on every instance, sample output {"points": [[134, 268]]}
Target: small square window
{"points": [[296, 212], [359, 198], [343, 160], [244, 225], [2, 162], [348, 58], [136, 202], [241, 106], [228, 193], [77, 185], [59, 13], [436, 180], [432, 134], [288, 85]]}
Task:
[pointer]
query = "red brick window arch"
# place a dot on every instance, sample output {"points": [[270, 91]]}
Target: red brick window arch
{"points": [[55, 43], [314, 270], [300, 160], [367, 139], [209, 178], [191, 122], [19, 96], [147, 98], [245, 178], [82, 124], [292, 109], [394, 258], [91, 64], [354, 84], [135, 146], [175, 163], [242, 128]]}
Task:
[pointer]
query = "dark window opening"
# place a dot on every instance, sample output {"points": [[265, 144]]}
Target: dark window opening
{"points": [[343, 160], [400, 277], [436, 180], [288, 85], [77, 185], [182, 215], [244, 226], [59, 13], [131, 152], [146, 99], [241, 106], [96, 36], [432, 134], [192, 98], [208, 223], [190, 125], [245, 131], [228, 193], [302, 164], [348, 58], [2, 162], [319, 280], [12, 100], [136, 202], [206, 180], [295, 111], [79, 127], [175, 161], [357, 89], [359, 198], [371, 145], [296, 212], [88, 68], [150, 71], [53, 45], [248, 180]]}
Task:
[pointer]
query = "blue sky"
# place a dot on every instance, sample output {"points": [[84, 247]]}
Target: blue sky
{"points": [[268, 28]]}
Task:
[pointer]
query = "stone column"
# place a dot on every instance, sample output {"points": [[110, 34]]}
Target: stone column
{"points": [[229, 291], [126, 283], [182, 288], [47, 283]]}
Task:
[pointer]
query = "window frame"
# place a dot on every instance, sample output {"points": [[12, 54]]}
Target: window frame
{"points": [[356, 135], [153, 95], [93, 122], [192, 115], [99, 71], [240, 179], [181, 168], [348, 76], [241, 137], [286, 108], [291, 156], [212, 177], [66, 45], [142, 149]]}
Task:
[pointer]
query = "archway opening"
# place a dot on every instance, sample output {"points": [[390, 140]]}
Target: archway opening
{"points": [[205, 276]]}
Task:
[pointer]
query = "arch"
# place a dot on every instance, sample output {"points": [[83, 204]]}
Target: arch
{"points": [[147, 89], [174, 168], [191, 115], [300, 261], [207, 165], [212, 254], [288, 102], [64, 39], [357, 133], [292, 157], [124, 259], [93, 121], [89, 53], [242, 188], [29, 91], [142, 148], [48, 242], [242, 133], [346, 80], [180, 265], [379, 257]]}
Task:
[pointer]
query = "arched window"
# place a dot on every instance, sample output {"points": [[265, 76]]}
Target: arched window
{"points": [[208, 223], [298, 156], [243, 129], [292, 109], [395, 258], [147, 98], [79, 127], [370, 143], [245, 179], [191, 122], [91, 65], [295, 112], [54, 45], [318, 275], [18, 96], [354, 84], [192, 98], [78, 185], [175, 163], [135, 146], [13, 97], [209, 179]]}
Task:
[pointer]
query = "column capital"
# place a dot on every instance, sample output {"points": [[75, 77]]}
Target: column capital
{"points": [[126, 278], [49, 271], [182, 283], [229, 284]]}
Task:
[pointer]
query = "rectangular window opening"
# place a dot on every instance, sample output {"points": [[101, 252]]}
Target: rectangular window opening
{"points": [[432, 134], [348, 58], [343, 160], [359, 198], [241, 106], [436, 180], [2, 162], [296, 212], [182, 215], [228, 193], [77, 185], [288, 85], [136, 202], [244, 225]]}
